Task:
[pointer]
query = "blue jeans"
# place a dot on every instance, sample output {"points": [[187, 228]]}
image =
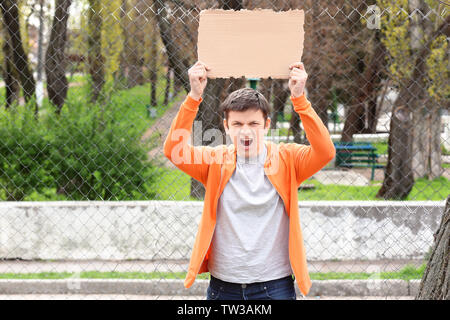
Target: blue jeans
{"points": [[279, 289]]}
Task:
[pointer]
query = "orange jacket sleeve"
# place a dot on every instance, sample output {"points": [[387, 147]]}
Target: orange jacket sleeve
{"points": [[310, 159], [177, 149]]}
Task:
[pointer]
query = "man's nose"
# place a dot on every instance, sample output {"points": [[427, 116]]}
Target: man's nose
{"points": [[246, 130]]}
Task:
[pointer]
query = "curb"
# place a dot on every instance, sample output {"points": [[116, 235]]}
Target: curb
{"points": [[376, 287]]}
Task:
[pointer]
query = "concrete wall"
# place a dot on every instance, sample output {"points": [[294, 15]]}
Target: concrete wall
{"points": [[166, 229]]}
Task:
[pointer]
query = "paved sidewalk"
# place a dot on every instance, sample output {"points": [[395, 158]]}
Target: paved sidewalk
{"points": [[175, 288]]}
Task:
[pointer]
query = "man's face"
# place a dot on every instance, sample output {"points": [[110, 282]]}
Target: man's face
{"points": [[247, 130]]}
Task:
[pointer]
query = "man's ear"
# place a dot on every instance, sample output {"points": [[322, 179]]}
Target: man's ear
{"points": [[267, 124], [225, 125]]}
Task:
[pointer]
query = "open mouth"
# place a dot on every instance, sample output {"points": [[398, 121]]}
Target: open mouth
{"points": [[246, 142]]}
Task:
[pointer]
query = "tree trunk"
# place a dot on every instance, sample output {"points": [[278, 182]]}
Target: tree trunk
{"points": [[10, 76], [426, 149], [40, 61], [135, 63], [399, 180], [96, 60], [153, 64], [154, 56], [124, 21], [426, 153], [363, 116], [435, 169], [265, 87], [55, 62], [11, 23], [399, 176], [435, 284], [168, 85], [280, 94], [176, 62], [317, 94]]}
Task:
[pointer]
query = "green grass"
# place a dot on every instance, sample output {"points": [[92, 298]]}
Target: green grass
{"points": [[77, 78], [423, 189], [437, 189], [445, 151], [406, 273], [2, 96], [382, 147], [130, 104], [175, 185], [337, 192]]}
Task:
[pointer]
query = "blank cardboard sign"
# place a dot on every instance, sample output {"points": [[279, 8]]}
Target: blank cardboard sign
{"points": [[257, 43]]}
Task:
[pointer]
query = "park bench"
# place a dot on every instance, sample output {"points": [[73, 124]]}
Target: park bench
{"points": [[357, 154]]}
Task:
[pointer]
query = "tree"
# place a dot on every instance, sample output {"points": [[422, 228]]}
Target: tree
{"points": [[363, 114], [55, 59], [95, 57], [435, 284], [151, 56], [19, 59], [112, 39], [9, 72], [174, 53], [133, 28], [412, 76], [406, 26]]}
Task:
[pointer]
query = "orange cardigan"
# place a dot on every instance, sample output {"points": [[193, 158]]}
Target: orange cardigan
{"points": [[287, 166]]}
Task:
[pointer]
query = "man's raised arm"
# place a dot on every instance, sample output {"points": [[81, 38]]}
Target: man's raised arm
{"points": [[308, 159], [177, 149]]}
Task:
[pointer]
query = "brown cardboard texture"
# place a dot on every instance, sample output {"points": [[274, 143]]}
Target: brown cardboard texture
{"points": [[257, 43]]}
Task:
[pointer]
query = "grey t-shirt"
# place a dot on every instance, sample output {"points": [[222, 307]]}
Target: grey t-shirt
{"points": [[251, 238]]}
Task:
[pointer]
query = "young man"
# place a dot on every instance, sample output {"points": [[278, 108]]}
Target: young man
{"points": [[249, 237]]}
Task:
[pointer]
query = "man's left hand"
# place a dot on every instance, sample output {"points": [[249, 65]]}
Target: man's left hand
{"points": [[297, 79]]}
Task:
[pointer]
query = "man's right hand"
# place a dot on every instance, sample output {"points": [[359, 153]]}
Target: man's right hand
{"points": [[198, 79]]}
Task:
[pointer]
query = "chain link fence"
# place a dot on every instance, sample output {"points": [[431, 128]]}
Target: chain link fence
{"points": [[88, 91]]}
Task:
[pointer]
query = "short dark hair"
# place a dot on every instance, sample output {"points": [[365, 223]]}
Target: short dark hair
{"points": [[245, 99]]}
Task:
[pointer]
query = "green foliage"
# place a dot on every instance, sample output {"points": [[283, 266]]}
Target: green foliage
{"points": [[438, 71], [23, 25], [24, 154], [396, 22], [86, 153], [112, 38], [395, 28], [2, 62]]}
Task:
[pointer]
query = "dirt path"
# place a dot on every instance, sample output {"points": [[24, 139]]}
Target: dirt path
{"points": [[159, 130]]}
